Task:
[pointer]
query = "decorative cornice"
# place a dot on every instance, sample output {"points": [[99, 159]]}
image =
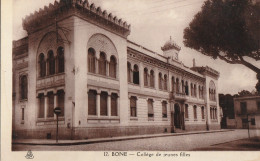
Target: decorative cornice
{"points": [[206, 71], [136, 55], [66, 8]]}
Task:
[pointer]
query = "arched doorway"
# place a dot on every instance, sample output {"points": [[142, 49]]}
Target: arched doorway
{"points": [[177, 116]]}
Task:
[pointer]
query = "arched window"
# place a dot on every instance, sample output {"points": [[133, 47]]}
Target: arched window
{"points": [[102, 64], [182, 86], [202, 92], [216, 115], [114, 104], [173, 84], [152, 78], [165, 82], [92, 106], [91, 60], [202, 113], [112, 67], [160, 81], [42, 65], [51, 61], [103, 104], [150, 108], [61, 96], [164, 109], [186, 111], [191, 89], [41, 105], [210, 94], [212, 91], [186, 88], [129, 72], [136, 75], [133, 107], [145, 77], [199, 92], [195, 90], [177, 85], [60, 53], [195, 111], [211, 113], [50, 104], [23, 87]]}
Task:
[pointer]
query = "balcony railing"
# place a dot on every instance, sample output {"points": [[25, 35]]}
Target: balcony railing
{"points": [[178, 96], [51, 81]]}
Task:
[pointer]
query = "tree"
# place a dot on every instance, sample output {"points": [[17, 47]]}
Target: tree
{"points": [[244, 93], [228, 30]]}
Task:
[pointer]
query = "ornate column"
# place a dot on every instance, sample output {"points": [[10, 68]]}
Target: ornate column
{"points": [[170, 83], [96, 64], [131, 75], [109, 104], [156, 77], [197, 90], [141, 75], [55, 102], [189, 88], [47, 67], [98, 103], [37, 106], [107, 66], [45, 106], [118, 105], [56, 64]]}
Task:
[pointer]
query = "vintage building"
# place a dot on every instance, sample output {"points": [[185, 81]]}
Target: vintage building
{"points": [[247, 108], [77, 57]]}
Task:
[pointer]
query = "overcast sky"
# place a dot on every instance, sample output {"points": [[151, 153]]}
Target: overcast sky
{"points": [[152, 24]]}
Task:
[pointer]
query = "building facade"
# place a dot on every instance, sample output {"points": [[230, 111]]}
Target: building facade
{"points": [[77, 57], [247, 108]]}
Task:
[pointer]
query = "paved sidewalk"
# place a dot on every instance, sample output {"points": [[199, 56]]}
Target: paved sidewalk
{"points": [[100, 140]]}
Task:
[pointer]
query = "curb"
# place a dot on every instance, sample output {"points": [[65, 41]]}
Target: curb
{"points": [[115, 139]]}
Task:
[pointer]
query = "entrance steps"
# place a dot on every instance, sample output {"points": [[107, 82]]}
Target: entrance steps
{"points": [[177, 130]]}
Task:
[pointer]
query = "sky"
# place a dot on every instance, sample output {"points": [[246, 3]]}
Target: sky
{"points": [[152, 24]]}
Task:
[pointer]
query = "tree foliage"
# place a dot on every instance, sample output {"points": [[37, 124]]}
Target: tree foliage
{"points": [[226, 29], [244, 93]]}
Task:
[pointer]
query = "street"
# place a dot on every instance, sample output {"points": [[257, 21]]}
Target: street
{"points": [[169, 143]]}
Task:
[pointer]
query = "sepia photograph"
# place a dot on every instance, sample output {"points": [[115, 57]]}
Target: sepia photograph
{"points": [[141, 78]]}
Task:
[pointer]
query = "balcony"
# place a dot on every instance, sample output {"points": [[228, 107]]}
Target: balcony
{"points": [[50, 81], [178, 96]]}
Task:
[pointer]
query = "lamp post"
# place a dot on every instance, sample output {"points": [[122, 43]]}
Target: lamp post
{"points": [[57, 111]]}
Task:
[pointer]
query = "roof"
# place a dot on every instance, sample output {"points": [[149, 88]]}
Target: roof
{"points": [[206, 70], [170, 44], [245, 97]]}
